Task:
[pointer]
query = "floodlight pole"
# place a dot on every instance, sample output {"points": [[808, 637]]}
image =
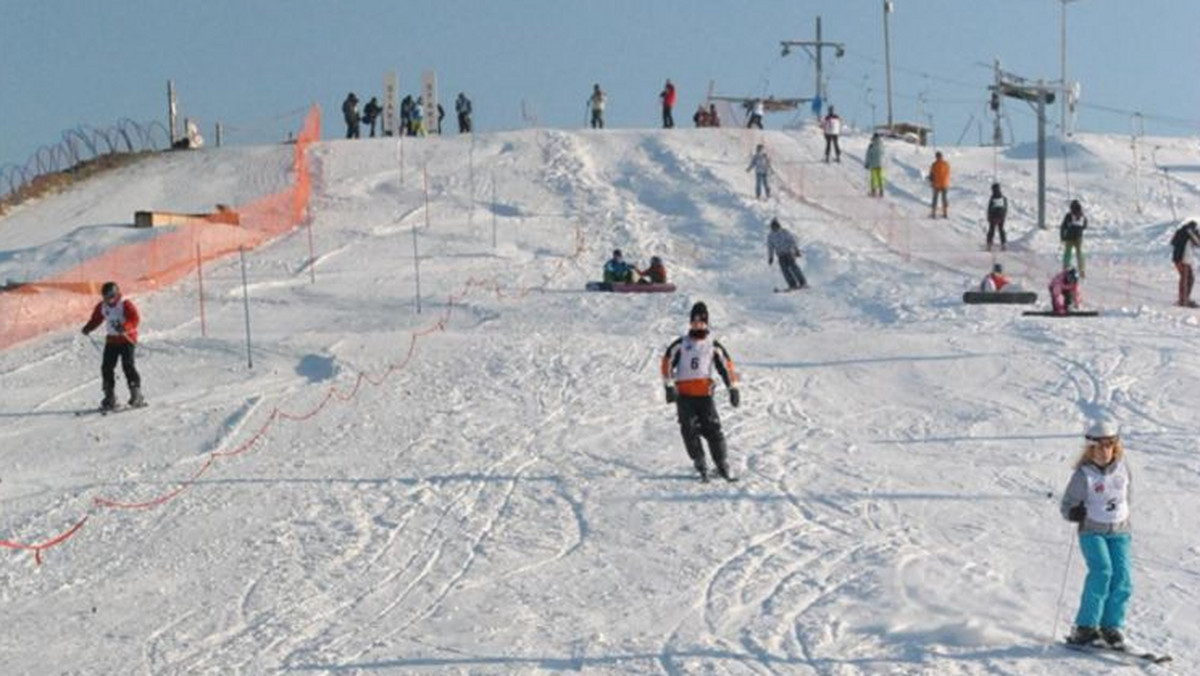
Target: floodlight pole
{"points": [[818, 46], [1062, 62], [887, 56]]}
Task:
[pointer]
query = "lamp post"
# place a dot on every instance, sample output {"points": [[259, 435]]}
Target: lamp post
{"points": [[887, 57]]}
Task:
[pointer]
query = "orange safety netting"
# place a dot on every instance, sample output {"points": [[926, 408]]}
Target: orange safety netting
{"points": [[68, 297]]}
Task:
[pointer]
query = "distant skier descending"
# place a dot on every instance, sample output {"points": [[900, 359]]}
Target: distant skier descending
{"points": [[120, 318], [1097, 498], [1183, 254], [782, 243], [874, 164], [761, 164], [687, 370]]}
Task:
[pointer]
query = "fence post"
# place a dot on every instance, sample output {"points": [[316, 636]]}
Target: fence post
{"points": [[200, 283], [246, 304]]}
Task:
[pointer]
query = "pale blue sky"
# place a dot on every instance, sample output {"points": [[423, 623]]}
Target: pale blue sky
{"points": [[252, 63]]}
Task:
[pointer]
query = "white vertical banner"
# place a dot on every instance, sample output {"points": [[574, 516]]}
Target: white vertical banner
{"points": [[429, 100], [390, 88]]}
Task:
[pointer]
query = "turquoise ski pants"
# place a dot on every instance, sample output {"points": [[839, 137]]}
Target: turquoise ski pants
{"points": [[1108, 586]]}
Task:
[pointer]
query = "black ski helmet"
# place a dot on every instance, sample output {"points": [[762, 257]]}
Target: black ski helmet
{"points": [[110, 290], [699, 312]]}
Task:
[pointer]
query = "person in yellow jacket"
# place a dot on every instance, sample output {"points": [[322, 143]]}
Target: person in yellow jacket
{"points": [[939, 179], [687, 371]]}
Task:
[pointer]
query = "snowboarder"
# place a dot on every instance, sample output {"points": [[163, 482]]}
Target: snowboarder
{"points": [[1097, 498], [782, 243], [597, 101], [995, 280], [441, 116], [616, 270], [1183, 253], [668, 104], [371, 113], [701, 117], [120, 318], [761, 164], [1064, 292], [655, 274], [756, 114], [462, 106], [687, 371], [350, 112], [832, 126], [1071, 234], [713, 120], [939, 180], [997, 211], [874, 164]]}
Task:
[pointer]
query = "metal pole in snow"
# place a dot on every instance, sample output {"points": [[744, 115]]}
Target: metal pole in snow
{"points": [[312, 253], [494, 205], [471, 185], [246, 304], [200, 283]]}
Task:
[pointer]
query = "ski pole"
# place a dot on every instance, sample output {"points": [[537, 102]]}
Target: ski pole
{"points": [[1062, 590], [96, 345]]}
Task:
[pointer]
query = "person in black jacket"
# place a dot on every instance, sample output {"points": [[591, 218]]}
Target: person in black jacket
{"points": [[1071, 234], [996, 212], [1183, 253], [371, 113], [462, 106], [350, 112]]}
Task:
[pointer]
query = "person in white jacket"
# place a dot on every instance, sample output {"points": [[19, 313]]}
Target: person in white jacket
{"points": [[832, 126], [1098, 499], [761, 164]]}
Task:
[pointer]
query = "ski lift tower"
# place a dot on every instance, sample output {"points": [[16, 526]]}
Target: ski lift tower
{"points": [[1037, 95], [817, 46]]}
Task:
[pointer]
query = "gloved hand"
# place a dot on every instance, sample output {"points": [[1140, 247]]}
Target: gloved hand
{"points": [[85, 332], [1077, 514], [735, 397], [672, 395]]}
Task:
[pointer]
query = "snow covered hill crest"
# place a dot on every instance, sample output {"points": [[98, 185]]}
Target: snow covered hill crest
{"points": [[494, 484]]}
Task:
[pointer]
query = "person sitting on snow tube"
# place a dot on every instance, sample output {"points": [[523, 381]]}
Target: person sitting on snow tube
{"points": [[655, 274], [617, 271]]}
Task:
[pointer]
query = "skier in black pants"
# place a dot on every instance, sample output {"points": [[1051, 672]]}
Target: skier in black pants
{"points": [[997, 211], [687, 370], [120, 318]]}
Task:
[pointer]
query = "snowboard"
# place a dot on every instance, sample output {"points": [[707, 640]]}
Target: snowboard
{"points": [[1126, 654], [999, 297], [630, 287], [1050, 313], [798, 288]]}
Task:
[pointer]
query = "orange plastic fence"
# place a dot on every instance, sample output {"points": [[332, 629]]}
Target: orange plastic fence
{"points": [[67, 298]]}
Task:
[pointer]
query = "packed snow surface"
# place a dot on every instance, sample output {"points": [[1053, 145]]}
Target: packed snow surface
{"points": [[494, 484]]}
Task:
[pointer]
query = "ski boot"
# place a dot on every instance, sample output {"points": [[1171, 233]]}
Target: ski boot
{"points": [[1084, 636], [109, 402], [135, 397], [723, 472], [1113, 637]]}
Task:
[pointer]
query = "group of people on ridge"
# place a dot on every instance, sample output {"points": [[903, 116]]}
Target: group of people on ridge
{"points": [[412, 115]]}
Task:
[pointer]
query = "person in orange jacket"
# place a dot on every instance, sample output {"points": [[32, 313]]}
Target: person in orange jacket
{"points": [[120, 318], [668, 105], [655, 274], [939, 178]]}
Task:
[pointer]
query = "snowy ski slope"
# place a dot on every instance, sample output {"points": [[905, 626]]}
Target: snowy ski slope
{"points": [[505, 492]]}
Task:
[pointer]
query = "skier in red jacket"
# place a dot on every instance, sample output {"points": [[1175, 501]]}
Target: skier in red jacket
{"points": [[668, 103], [120, 318]]}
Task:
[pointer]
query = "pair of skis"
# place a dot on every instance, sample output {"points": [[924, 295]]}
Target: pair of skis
{"points": [[1125, 654], [107, 411]]}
